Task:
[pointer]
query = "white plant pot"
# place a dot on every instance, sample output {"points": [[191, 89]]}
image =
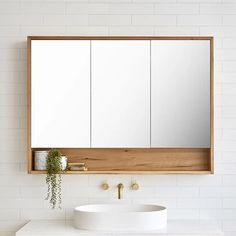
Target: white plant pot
{"points": [[40, 160], [63, 162]]}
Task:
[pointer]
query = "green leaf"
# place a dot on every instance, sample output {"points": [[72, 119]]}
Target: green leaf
{"points": [[53, 178]]}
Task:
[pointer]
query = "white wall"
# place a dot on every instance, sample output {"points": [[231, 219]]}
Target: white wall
{"points": [[187, 196]]}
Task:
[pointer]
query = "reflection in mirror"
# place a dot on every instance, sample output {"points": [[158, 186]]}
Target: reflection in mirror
{"points": [[180, 93]]}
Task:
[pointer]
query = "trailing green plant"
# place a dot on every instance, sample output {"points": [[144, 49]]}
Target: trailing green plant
{"points": [[53, 178]]}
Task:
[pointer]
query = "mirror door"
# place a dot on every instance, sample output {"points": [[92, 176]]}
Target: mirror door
{"points": [[180, 96], [120, 93], [60, 93]]}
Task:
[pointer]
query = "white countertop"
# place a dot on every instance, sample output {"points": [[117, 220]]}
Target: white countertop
{"points": [[174, 228]]}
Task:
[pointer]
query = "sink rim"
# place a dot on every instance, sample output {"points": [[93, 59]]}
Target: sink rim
{"points": [[118, 217], [119, 208]]}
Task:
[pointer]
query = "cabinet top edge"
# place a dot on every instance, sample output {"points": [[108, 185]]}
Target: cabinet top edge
{"points": [[120, 37]]}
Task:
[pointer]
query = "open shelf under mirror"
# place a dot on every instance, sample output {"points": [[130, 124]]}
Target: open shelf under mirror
{"points": [[135, 160]]}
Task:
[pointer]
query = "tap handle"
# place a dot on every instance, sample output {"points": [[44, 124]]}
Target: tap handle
{"points": [[135, 186], [105, 186]]}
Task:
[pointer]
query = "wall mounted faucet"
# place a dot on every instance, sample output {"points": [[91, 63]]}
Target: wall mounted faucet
{"points": [[120, 187]]}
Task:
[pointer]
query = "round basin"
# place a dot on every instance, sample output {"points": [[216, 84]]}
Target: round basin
{"points": [[116, 217]]}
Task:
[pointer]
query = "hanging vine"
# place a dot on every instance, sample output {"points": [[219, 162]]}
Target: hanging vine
{"points": [[53, 178]]}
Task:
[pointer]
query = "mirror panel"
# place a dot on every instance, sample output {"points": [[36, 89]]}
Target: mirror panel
{"points": [[180, 96], [120, 93], [60, 93]]}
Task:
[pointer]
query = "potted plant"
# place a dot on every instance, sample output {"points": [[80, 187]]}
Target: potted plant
{"points": [[55, 166]]}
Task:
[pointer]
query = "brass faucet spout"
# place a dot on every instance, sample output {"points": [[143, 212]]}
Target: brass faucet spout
{"points": [[120, 187]]}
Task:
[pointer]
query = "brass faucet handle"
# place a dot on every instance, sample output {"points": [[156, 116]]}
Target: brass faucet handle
{"points": [[105, 186], [135, 186]]}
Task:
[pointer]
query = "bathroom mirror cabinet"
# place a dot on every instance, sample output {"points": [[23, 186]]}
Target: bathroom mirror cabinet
{"points": [[122, 104]]}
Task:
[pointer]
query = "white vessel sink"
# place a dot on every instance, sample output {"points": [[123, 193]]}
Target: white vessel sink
{"points": [[116, 217]]}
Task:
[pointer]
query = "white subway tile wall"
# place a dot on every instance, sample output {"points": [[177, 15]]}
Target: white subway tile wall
{"points": [[186, 196]]}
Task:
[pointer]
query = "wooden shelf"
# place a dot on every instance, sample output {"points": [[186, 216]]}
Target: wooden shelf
{"points": [[124, 172], [136, 160]]}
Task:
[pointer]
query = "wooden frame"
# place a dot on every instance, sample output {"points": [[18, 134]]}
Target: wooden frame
{"points": [[133, 160]]}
